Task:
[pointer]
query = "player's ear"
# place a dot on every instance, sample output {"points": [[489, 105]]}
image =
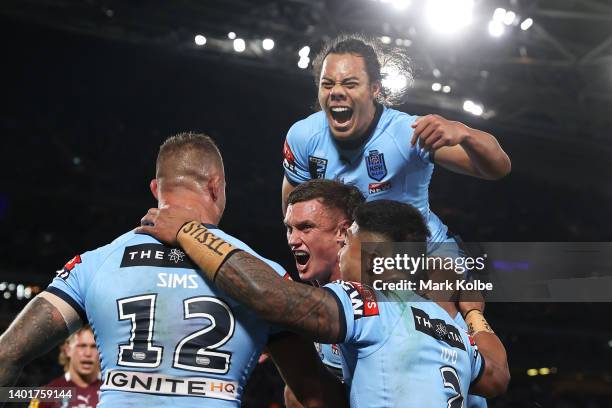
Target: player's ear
{"points": [[154, 186], [214, 186], [368, 259], [376, 88], [342, 227]]}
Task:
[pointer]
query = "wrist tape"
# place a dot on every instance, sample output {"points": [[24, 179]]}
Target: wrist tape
{"points": [[476, 322], [206, 249]]}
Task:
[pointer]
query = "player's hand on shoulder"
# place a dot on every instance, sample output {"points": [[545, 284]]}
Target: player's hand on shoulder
{"points": [[433, 132], [164, 223]]}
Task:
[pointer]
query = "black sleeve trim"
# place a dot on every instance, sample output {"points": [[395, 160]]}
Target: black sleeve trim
{"points": [[432, 157], [341, 316], [337, 372], [66, 298], [293, 183], [480, 373]]}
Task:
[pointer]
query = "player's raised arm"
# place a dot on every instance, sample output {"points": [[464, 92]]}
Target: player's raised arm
{"points": [[496, 375], [460, 148], [40, 326], [312, 312]]}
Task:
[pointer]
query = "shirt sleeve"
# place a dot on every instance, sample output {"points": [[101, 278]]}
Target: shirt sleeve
{"points": [[402, 133], [478, 363], [295, 154], [355, 302], [71, 282], [424, 155]]}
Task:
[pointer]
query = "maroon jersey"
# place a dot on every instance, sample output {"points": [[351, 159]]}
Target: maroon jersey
{"points": [[82, 397]]}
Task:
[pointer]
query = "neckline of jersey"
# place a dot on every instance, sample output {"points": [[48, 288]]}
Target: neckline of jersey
{"points": [[352, 145]]}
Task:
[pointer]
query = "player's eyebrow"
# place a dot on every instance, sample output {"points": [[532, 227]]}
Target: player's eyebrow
{"points": [[352, 78], [303, 224]]}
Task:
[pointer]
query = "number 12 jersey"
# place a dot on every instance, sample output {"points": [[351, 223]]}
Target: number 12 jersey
{"points": [[165, 336]]}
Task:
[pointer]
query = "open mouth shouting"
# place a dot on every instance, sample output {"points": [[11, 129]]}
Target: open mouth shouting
{"points": [[341, 117], [301, 260]]}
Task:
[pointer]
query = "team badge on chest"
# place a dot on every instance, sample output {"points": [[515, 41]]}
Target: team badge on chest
{"points": [[375, 163]]}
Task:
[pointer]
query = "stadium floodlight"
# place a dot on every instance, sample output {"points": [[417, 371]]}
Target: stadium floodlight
{"points": [[509, 17], [394, 80], [385, 39], [231, 35], [544, 371], [199, 39], [267, 44], [532, 372], [446, 89], [436, 86], [304, 51], [528, 22], [436, 72], [303, 62], [239, 45], [499, 14], [449, 16], [400, 4], [473, 108], [496, 28]]}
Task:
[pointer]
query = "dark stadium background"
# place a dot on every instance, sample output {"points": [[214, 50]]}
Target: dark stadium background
{"points": [[83, 115]]}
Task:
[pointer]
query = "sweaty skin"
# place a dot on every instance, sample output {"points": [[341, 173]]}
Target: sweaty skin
{"points": [[313, 234]]}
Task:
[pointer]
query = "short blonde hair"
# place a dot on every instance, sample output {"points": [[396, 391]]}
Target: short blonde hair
{"points": [[186, 154], [63, 359]]}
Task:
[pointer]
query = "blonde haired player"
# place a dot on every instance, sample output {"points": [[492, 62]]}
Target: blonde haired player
{"points": [[79, 357]]}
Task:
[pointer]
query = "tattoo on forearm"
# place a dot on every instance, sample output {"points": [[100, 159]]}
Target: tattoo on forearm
{"points": [[310, 311], [37, 329]]}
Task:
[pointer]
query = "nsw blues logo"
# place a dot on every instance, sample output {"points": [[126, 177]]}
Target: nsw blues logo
{"points": [[375, 163]]}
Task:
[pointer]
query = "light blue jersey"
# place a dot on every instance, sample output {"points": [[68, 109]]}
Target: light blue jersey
{"points": [[166, 337], [472, 401], [408, 352], [385, 167], [331, 358]]}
